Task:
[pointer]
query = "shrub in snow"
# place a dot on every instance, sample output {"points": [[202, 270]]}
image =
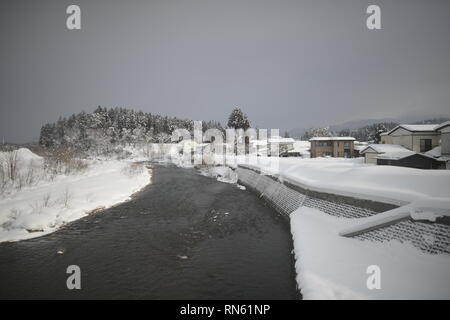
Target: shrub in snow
{"points": [[133, 169]]}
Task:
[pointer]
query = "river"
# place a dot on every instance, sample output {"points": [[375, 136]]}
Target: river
{"points": [[184, 236]]}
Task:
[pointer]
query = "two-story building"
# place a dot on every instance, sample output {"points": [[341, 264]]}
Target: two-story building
{"points": [[444, 130], [427, 145], [415, 137], [332, 147], [442, 153]]}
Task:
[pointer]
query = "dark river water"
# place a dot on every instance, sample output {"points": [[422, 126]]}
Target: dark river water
{"points": [[185, 236]]}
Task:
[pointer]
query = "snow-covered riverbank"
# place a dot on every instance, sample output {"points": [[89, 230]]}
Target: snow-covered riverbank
{"points": [[44, 207], [351, 177], [330, 266]]}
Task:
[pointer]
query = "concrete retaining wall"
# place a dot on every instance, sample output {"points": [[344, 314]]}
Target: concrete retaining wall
{"points": [[285, 198]]}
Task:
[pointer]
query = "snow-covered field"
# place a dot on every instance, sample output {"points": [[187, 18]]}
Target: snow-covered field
{"points": [[333, 267], [46, 205], [351, 177]]}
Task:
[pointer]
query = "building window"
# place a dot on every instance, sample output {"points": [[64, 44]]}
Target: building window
{"points": [[425, 145], [324, 143]]}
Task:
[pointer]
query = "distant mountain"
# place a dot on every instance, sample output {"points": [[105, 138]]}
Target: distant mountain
{"points": [[357, 124], [296, 133], [351, 125], [432, 121]]}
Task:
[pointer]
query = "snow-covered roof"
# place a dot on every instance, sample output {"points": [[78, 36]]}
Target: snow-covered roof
{"points": [[359, 146], [437, 154], [402, 155], [414, 128], [442, 125], [272, 140], [281, 140], [258, 142], [396, 155], [383, 148], [332, 138], [419, 127]]}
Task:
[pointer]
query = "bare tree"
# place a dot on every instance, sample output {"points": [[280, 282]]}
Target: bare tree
{"points": [[66, 197], [10, 161], [46, 200], [3, 177]]}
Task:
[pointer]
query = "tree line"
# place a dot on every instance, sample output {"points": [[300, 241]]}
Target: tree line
{"points": [[106, 127], [370, 132]]}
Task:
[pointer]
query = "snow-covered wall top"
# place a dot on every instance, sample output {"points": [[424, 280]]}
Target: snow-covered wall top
{"points": [[353, 178]]}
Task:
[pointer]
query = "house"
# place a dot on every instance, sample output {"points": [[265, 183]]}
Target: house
{"points": [[332, 147], [284, 144], [430, 140], [444, 130], [372, 151], [301, 150], [358, 147], [264, 146], [415, 137], [437, 154], [410, 159]]}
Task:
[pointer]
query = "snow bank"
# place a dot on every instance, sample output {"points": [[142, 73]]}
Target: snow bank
{"points": [[28, 156], [351, 177], [43, 208], [333, 267]]}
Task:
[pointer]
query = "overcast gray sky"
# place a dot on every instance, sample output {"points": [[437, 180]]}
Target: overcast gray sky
{"points": [[286, 63]]}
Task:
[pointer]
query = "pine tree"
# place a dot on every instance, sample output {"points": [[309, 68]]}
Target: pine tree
{"points": [[104, 128], [238, 120]]}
